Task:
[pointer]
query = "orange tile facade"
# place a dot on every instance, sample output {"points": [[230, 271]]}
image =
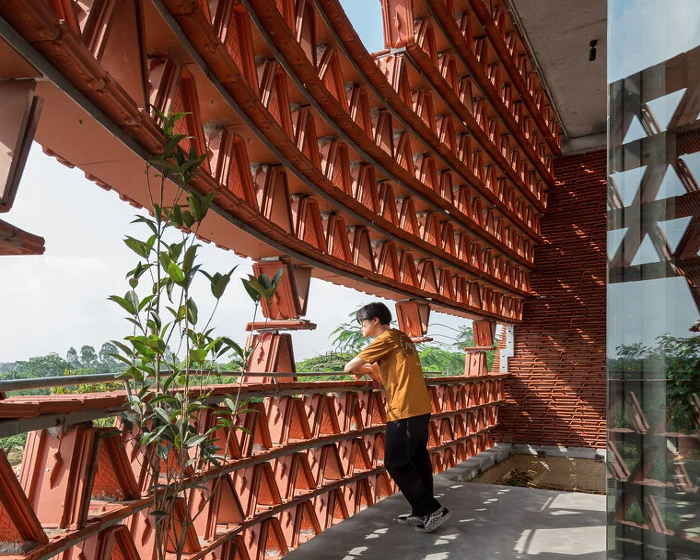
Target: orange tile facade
{"points": [[556, 392], [419, 174], [304, 464]]}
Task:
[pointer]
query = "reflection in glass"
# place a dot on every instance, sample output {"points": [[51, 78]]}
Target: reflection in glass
{"points": [[654, 279]]}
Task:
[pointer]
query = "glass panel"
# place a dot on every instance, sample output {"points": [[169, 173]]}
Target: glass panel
{"points": [[654, 279]]}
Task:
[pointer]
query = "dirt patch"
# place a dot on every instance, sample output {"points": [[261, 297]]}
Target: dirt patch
{"points": [[550, 473]]}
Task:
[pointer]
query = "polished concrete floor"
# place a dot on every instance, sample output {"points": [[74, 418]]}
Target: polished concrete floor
{"points": [[489, 522]]}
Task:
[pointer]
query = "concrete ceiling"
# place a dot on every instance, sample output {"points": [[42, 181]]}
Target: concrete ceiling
{"points": [[559, 33]]}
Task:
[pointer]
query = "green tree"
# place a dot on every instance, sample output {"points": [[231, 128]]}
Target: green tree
{"points": [[348, 337], [464, 337], [326, 363], [88, 356], [435, 359], [679, 360], [72, 358], [106, 355], [50, 365]]}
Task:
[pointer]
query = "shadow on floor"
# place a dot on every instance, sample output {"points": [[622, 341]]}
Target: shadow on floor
{"points": [[488, 522]]}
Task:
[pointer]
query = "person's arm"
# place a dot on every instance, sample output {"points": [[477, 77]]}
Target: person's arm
{"points": [[366, 361], [358, 367]]}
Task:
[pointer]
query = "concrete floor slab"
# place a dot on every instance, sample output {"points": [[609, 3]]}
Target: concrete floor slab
{"points": [[489, 522]]}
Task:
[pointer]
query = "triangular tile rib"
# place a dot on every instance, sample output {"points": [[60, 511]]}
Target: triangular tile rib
{"points": [[615, 238], [665, 107], [646, 254], [692, 162], [671, 185], [627, 183], [673, 231], [635, 131]]}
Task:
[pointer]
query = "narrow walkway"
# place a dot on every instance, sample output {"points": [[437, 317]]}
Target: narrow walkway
{"points": [[489, 522]]}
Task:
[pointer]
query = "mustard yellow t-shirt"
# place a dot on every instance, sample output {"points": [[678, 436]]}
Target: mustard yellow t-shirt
{"points": [[401, 374]]}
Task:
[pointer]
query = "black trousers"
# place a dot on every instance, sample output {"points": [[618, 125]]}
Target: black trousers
{"points": [[407, 460]]}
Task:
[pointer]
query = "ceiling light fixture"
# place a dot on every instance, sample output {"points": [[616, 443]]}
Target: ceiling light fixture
{"points": [[592, 53]]}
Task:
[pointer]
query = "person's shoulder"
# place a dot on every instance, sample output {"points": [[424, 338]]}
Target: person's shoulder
{"points": [[379, 339], [399, 335]]}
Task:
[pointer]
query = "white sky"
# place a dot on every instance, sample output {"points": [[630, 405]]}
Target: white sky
{"points": [[59, 300], [642, 33]]}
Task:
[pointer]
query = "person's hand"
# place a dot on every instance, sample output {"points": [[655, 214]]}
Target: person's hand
{"points": [[366, 369]]}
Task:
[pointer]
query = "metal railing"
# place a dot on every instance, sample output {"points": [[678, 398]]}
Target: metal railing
{"points": [[12, 385]]}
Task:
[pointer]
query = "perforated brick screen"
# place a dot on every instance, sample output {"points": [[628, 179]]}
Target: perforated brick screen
{"points": [[556, 394]]}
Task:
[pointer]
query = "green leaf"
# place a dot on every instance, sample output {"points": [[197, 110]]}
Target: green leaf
{"points": [[159, 113], [176, 216], [124, 303], [175, 250], [181, 312], [164, 259], [195, 206], [139, 247], [252, 291], [157, 212], [194, 441], [276, 278], [265, 281], [220, 288], [175, 272], [198, 354], [172, 143], [206, 202], [144, 302], [190, 255], [188, 218], [191, 311], [228, 401], [177, 116], [232, 345], [157, 343], [158, 514], [123, 347], [157, 323], [161, 415], [139, 270], [164, 399], [132, 298], [169, 285], [121, 358]]}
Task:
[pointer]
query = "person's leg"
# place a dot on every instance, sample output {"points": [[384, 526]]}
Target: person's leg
{"points": [[418, 427], [399, 449]]}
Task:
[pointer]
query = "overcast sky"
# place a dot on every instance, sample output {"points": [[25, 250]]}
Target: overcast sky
{"points": [[642, 33], [59, 300]]}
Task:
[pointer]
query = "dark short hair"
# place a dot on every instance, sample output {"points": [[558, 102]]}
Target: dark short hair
{"points": [[374, 310]]}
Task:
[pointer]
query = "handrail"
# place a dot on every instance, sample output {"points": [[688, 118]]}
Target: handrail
{"points": [[11, 385], [57, 381]]}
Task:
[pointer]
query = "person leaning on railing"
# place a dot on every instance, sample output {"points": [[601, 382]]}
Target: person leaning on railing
{"points": [[392, 361]]}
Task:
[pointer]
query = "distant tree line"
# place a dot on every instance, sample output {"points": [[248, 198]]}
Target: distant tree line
{"points": [[347, 341], [87, 361]]}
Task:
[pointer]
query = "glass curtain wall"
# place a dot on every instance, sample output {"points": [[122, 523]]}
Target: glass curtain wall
{"points": [[654, 279]]}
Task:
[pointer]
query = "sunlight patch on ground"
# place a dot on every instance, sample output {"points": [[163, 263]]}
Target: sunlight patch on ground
{"points": [[438, 556], [570, 541]]}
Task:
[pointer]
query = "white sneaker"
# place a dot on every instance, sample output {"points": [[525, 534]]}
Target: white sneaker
{"points": [[434, 520], [409, 519]]}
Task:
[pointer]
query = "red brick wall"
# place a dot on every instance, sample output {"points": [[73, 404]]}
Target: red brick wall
{"points": [[556, 394]]}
